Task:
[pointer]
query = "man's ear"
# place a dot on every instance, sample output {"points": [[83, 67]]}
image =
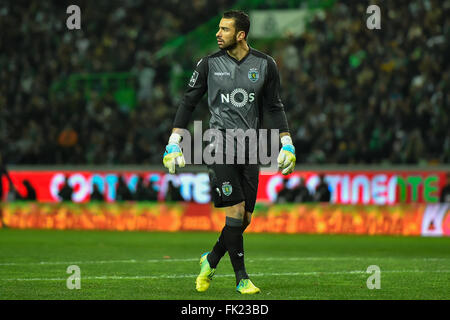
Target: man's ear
{"points": [[241, 35]]}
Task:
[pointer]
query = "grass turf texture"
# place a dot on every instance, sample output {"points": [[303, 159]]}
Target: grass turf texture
{"points": [[156, 265]]}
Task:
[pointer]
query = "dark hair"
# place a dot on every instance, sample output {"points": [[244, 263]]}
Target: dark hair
{"points": [[241, 20]]}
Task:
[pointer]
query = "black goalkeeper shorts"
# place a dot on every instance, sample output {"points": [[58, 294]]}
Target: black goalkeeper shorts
{"points": [[234, 183]]}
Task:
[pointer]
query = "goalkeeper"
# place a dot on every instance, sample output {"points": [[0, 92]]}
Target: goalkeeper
{"points": [[243, 86]]}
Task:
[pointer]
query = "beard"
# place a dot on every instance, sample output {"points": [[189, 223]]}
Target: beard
{"points": [[230, 46]]}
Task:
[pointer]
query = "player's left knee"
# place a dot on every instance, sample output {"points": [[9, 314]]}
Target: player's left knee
{"points": [[236, 211]]}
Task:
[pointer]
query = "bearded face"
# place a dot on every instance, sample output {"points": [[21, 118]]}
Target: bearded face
{"points": [[227, 34]]}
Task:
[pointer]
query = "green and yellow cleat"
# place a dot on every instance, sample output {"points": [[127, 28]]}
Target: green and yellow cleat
{"points": [[206, 274], [246, 286]]}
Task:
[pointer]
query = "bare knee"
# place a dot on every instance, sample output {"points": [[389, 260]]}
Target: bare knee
{"points": [[237, 211]]}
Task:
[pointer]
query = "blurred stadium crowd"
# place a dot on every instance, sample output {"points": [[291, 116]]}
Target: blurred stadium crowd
{"points": [[352, 95]]}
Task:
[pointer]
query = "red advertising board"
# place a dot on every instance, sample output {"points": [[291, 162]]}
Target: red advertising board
{"points": [[347, 187], [400, 219]]}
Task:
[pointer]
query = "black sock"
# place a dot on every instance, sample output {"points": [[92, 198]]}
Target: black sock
{"points": [[217, 252], [235, 246]]}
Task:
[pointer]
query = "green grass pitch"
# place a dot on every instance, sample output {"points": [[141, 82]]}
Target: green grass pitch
{"points": [[159, 266]]}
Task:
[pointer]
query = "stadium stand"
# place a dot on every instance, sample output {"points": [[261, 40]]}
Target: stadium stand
{"points": [[353, 95]]}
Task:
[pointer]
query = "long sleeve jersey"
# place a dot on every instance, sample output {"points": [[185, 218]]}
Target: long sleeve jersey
{"points": [[240, 93]]}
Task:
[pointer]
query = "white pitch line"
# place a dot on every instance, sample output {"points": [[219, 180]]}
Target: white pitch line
{"points": [[196, 259], [346, 258], [96, 262], [181, 276]]}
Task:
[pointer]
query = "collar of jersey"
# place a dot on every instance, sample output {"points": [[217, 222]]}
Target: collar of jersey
{"points": [[243, 59]]}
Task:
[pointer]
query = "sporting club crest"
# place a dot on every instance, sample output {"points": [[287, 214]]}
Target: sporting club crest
{"points": [[253, 75], [227, 189]]}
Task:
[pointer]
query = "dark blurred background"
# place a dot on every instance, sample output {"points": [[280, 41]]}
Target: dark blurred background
{"points": [[107, 94]]}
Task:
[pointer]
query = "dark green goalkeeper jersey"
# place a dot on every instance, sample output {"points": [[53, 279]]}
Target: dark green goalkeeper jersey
{"points": [[240, 93]]}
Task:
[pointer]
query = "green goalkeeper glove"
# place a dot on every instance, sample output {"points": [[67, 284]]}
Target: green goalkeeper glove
{"points": [[286, 158], [173, 154]]}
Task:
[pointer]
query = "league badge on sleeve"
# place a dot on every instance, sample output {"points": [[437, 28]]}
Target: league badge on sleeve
{"points": [[253, 75], [193, 79]]}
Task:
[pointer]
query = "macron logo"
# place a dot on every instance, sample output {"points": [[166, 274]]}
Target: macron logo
{"points": [[220, 74]]}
